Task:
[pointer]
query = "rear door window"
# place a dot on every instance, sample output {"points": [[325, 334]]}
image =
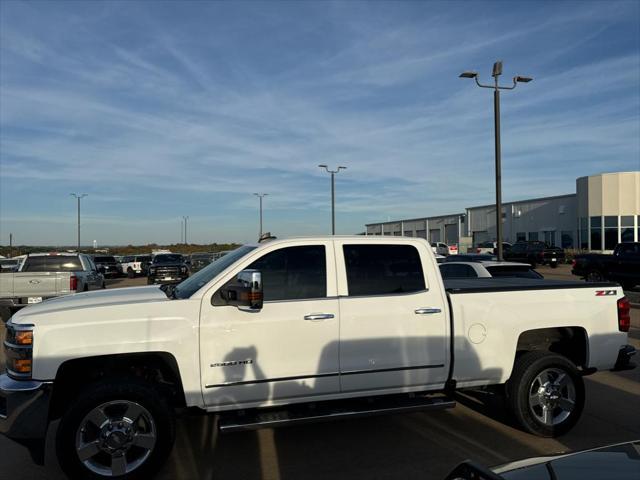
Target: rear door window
{"points": [[383, 269]]}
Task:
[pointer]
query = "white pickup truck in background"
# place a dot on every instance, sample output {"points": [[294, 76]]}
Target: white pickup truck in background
{"points": [[46, 275], [293, 331]]}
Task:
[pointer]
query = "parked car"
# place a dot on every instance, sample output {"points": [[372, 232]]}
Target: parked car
{"points": [[534, 253], [200, 260], [167, 268], [47, 275], [492, 247], [487, 270], [299, 330], [622, 267], [133, 265], [444, 249], [472, 257], [614, 462], [107, 265]]}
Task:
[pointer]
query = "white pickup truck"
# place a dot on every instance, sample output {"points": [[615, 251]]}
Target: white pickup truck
{"points": [[298, 330]]}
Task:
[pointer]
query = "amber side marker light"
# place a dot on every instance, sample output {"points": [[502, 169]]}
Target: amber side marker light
{"points": [[23, 337]]}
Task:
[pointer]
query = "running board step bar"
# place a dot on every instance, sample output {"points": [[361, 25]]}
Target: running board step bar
{"points": [[331, 410]]}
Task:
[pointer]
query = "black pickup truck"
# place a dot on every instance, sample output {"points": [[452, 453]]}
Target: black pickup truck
{"points": [[167, 268], [623, 266], [534, 253]]}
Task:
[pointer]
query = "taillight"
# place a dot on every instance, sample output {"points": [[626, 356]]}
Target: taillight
{"points": [[73, 282], [624, 314], [573, 262], [478, 250]]}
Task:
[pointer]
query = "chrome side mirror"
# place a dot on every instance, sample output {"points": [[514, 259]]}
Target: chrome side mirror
{"points": [[245, 292]]}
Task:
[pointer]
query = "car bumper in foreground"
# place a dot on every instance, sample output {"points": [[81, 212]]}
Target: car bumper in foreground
{"points": [[24, 413]]}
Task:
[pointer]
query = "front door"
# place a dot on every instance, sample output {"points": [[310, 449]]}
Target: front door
{"points": [[286, 351], [393, 331]]}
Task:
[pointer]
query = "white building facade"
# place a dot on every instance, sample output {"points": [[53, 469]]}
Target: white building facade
{"points": [[604, 211]]}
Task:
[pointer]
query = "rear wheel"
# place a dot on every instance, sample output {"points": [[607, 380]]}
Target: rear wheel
{"points": [[130, 273], [545, 393], [121, 429]]}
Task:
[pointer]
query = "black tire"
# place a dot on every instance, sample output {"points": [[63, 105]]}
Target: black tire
{"points": [[553, 264], [130, 273], [86, 288], [104, 285], [95, 395], [594, 276], [524, 378]]}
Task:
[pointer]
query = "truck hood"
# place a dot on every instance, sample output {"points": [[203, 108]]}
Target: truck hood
{"points": [[116, 296]]}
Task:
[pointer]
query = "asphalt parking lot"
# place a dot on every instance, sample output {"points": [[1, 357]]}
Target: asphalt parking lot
{"points": [[422, 445]]}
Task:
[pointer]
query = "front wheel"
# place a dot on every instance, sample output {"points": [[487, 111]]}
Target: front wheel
{"points": [[545, 393], [121, 429], [130, 273]]}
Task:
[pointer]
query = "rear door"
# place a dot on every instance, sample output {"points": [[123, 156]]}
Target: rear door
{"points": [[393, 317]]}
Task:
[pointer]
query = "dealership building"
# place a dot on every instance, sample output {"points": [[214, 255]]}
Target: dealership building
{"points": [[605, 210]]}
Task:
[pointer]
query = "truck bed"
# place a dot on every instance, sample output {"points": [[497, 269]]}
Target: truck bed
{"points": [[506, 284]]}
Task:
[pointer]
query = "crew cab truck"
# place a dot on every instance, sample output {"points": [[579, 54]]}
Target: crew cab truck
{"points": [[47, 275], [292, 331], [622, 266]]}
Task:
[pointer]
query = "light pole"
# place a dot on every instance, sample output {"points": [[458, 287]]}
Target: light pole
{"points": [[185, 218], [78, 196], [497, 71], [260, 196], [333, 195]]}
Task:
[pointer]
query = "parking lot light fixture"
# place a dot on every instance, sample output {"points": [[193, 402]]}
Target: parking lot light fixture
{"points": [[79, 196], [495, 73], [260, 196], [333, 194]]}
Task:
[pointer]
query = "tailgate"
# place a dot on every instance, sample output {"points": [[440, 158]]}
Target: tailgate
{"points": [[6, 284], [41, 284]]}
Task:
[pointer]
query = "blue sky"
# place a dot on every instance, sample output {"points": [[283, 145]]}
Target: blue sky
{"points": [[164, 109]]}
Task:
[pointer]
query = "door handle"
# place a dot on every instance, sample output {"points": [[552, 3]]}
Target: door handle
{"points": [[314, 317], [427, 311]]}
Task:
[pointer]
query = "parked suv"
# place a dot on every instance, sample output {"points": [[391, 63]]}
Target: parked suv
{"points": [[133, 265], [534, 253], [167, 268], [107, 265]]}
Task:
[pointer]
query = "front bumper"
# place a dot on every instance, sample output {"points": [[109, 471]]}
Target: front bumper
{"points": [[624, 359], [24, 413]]}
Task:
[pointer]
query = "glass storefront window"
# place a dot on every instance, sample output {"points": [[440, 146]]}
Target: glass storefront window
{"points": [[533, 235], [521, 236], [596, 233], [584, 233], [610, 232]]}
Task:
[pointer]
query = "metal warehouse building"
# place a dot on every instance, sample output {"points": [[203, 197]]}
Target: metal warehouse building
{"points": [[604, 210]]}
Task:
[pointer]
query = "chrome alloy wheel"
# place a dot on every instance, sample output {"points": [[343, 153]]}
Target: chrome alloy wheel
{"points": [[115, 438], [552, 396]]}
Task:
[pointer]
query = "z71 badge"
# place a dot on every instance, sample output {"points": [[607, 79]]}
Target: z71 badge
{"points": [[604, 293]]}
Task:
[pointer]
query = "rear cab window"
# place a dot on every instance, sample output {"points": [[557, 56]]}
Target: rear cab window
{"points": [[379, 269], [52, 263]]}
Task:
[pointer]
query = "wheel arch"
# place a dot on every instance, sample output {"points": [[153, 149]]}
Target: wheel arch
{"points": [[158, 368]]}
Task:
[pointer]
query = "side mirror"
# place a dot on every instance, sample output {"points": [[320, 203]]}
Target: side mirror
{"points": [[245, 292]]}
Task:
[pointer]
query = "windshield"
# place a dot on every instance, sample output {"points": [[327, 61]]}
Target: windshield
{"points": [[204, 276], [175, 258]]}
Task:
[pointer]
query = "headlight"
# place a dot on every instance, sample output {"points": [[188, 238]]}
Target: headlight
{"points": [[18, 347], [152, 270], [183, 269]]}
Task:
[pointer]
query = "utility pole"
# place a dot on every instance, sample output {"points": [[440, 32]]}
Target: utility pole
{"points": [[10, 245], [79, 196], [260, 196], [333, 195], [181, 231], [185, 218], [497, 71]]}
